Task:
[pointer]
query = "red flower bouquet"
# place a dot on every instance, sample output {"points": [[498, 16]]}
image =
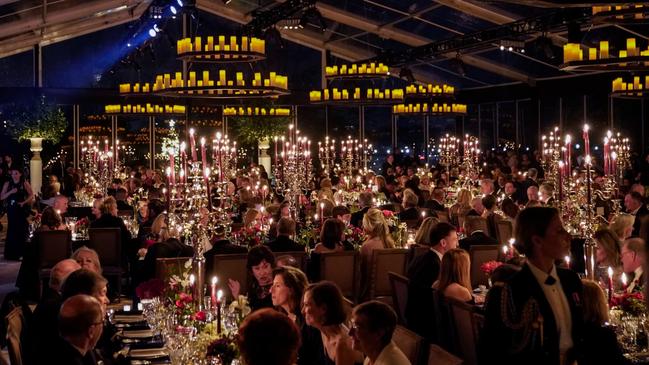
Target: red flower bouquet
{"points": [[490, 266], [387, 214], [631, 303]]}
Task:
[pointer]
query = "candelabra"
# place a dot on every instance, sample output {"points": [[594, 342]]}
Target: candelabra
{"points": [[100, 166], [470, 159], [448, 147], [327, 154]]}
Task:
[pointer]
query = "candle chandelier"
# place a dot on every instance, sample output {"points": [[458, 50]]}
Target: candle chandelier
{"points": [[145, 109], [637, 13], [429, 91], [380, 96], [630, 88], [251, 111], [431, 109], [602, 59], [357, 71], [221, 49]]}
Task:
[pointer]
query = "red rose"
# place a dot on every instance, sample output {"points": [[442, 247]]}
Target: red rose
{"points": [[200, 316], [387, 213]]}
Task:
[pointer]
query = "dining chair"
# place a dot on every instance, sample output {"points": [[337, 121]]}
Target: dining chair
{"points": [[168, 266], [229, 266], [409, 343], [51, 247], [16, 325], [439, 356], [108, 244], [399, 284], [382, 262], [341, 268], [504, 231], [479, 254], [463, 331]]}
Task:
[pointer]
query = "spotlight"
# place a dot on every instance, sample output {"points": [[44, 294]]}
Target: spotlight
{"points": [[155, 27], [313, 15], [128, 44], [152, 32], [226, 2], [180, 2], [173, 10]]}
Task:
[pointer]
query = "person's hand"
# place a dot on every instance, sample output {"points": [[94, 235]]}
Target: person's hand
{"points": [[12, 191], [141, 252], [235, 288]]}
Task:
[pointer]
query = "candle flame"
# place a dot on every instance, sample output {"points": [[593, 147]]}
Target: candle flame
{"points": [[214, 280], [219, 294], [624, 279], [610, 272]]}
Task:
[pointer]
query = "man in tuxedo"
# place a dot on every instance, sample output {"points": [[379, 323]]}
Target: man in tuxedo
{"points": [[60, 204], [422, 273], [409, 203], [487, 187], [546, 192], [436, 203], [476, 236], [633, 260], [634, 206], [365, 203], [81, 324], [536, 317], [283, 242]]}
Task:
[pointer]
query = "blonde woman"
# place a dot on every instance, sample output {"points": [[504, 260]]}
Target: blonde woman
{"points": [[377, 230], [326, 189], [462, 205], [622, 225], [251, 217], [422, 237], [454, 276], [87, 258]]}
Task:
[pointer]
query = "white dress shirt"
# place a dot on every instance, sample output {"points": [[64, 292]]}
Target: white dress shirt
{"points": [[637, 273], [390, 355], [439, 254], [559, 304]]}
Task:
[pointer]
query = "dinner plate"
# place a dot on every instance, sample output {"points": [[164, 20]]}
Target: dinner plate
{"points": [[147, 353], [128, 318], [137, 334]]}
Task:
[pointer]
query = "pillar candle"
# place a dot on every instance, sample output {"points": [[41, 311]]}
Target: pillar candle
{"points": [[192, 144]]}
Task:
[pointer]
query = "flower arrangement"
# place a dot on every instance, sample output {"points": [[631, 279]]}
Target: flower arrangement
{"points": [[251, 236], [240, 306], [490, 266], [307, 234], [629, 303], [224, 348], [355, 236]]}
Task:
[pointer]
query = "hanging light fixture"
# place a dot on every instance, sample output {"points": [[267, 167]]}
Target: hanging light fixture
{"points": [[251, 111], [145, 109], [635, 88], [430, 109], [222, 49], [356, 71], [357, 95], [576, 58], [637, 13]]}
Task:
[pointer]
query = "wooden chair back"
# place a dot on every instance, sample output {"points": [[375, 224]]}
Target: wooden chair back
{"points": [[409, 343], [443, 216], [463, 331], [439, 356], [108, 244], [52, 247], [505, 231], [299, 257], [342, 268], [166, 267], [480, 254], [382, 262], [399, 284], [15, 322], [230, 266]]}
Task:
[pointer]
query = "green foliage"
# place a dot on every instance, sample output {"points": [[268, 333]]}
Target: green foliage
{"points": [[249, 130], [36, 120]]}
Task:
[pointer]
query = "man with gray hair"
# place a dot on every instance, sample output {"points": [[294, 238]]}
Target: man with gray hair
{"points": [[365, 202], [81, 324]]}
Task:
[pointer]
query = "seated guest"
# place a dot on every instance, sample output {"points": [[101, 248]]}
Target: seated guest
{"points": [[260, 265], [51, 221], [283, 242], [377, 231], [608, 249], [80, 326], [167, 245], [476, 207], [633, 259], [436, 202], [550, 296], [251, 218], [600, 339], [462, 205], [634, 204], [221, 245], [372, 327], [342, 213], [409, 206], [332, 237], [455, 276], [490, 204], [422, 272], [546, 193], [87, 258], [267, 337], [365, 203], [154, 208], [109, 219], [120, 197], [323, 306], [96, 205], [87, 282], [60, 204], [288, 287], [509, 208], [422, 236], [46, 312], [622, 225], [476, 236], [532, 194]]}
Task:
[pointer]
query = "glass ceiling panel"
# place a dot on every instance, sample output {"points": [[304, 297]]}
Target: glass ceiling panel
{"points": [[455, 19], [424, 30]]}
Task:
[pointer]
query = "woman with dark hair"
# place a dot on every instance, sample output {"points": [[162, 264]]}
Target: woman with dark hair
{"points": [[51, 220], [260, 265], [324, 308], [288, 287], [18, 195], [268, 338], [332, 237]]}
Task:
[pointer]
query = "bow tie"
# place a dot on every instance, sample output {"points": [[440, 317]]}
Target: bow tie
{"points": [[550, 280]]}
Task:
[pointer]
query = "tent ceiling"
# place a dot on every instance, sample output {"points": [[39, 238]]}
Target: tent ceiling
{"points": [[356, 30]]}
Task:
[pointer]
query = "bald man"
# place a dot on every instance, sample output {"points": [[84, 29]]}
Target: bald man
{"points": [[81, 323], [47, 311]]}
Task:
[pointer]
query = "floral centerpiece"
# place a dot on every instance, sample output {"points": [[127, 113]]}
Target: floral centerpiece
{"points": [[308, 234], [489, 267], [223, 348], [397, 228], [251, 236], [629, 303], [354, 236], [81, 226]]}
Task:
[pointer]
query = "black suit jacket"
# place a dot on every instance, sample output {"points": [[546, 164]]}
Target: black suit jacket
{"points": [[434, 205], [477, 238], [639, 215], [45, 330], [65, 353], [284, 244], [409, 214], [537, 340], [422, 273], [357, 217], [166, 249]]}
